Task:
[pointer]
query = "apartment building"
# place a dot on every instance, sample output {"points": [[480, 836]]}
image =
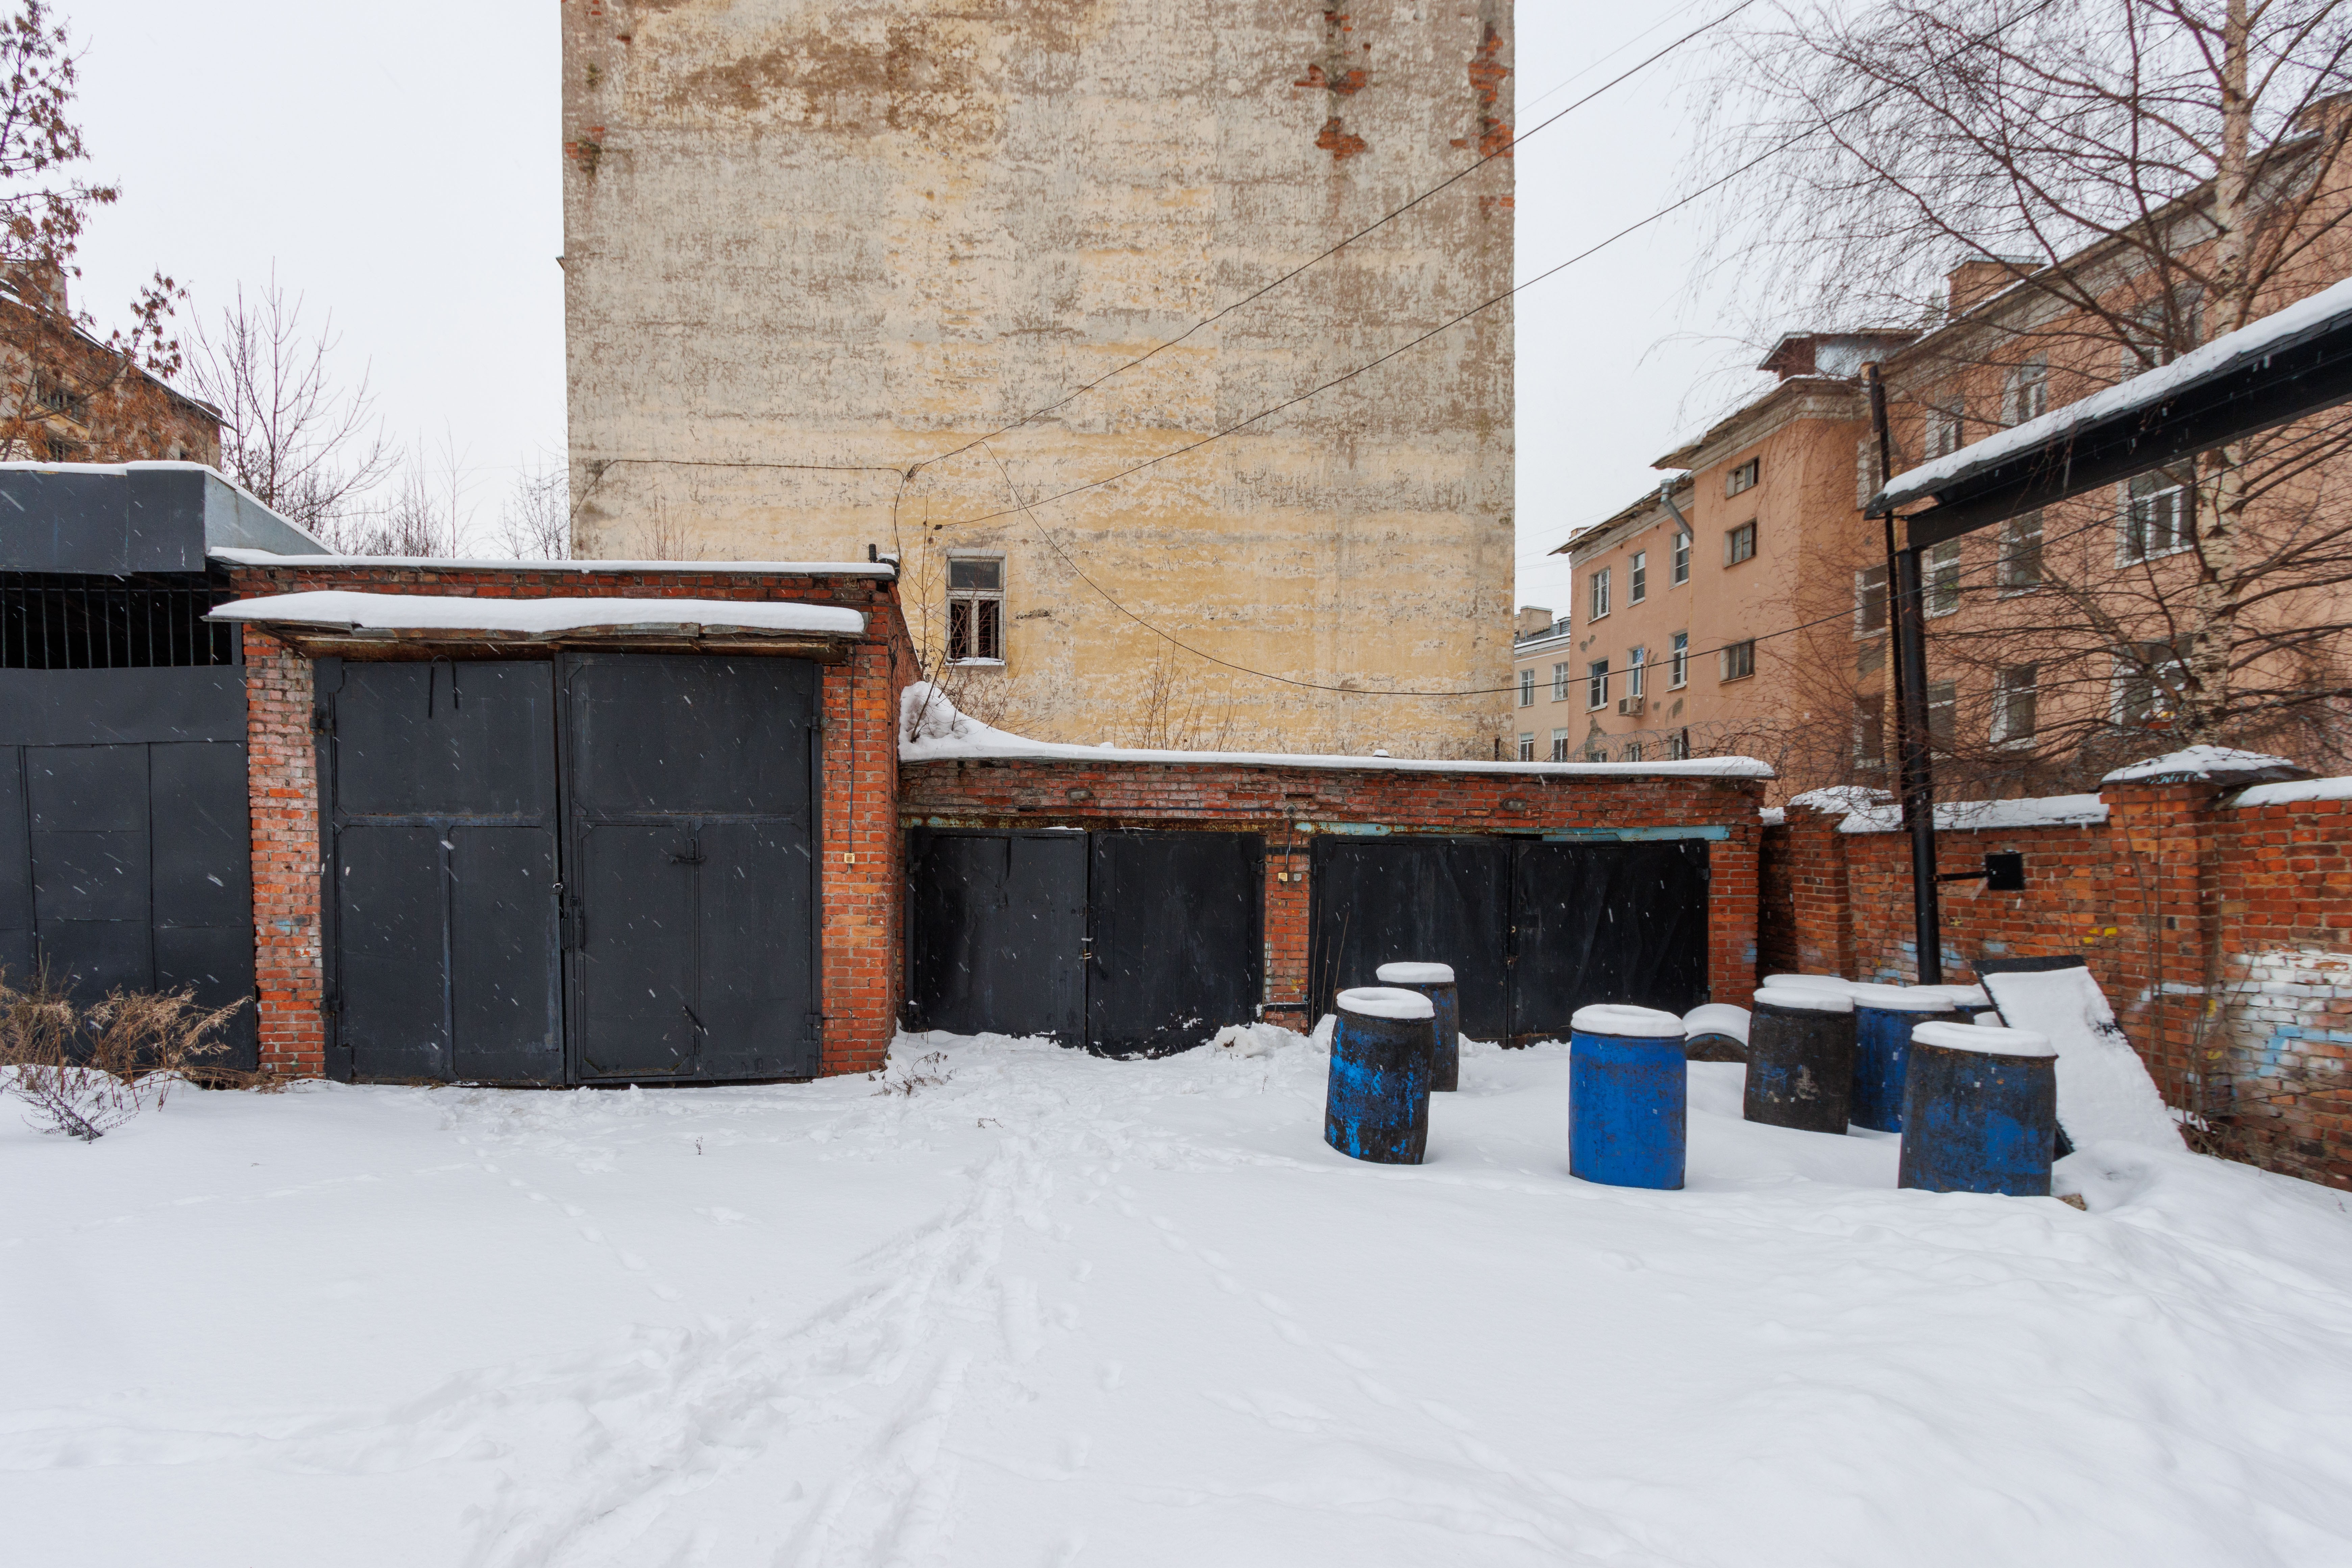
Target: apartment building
{"points": [[1537, 725]]}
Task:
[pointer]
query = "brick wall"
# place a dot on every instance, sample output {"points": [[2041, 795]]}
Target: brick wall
{"points": [[1288, 804], [2223, 936], [860, 976]]}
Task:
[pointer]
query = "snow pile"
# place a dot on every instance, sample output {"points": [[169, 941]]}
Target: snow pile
{"points": [[1839, 798], [2103, 1089], [2289, 793], [1049, 1309], [1773, 816], [1716, 1018], [1261, 1040], [2199, 763], [1986, 816], [437, 612], [944, 734]]}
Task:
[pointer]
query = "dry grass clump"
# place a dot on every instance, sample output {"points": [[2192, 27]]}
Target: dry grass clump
{"points": [[83, 1071]]}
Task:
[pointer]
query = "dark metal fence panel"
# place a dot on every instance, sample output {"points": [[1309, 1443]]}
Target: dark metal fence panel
{"points": [[691, 802], [201, 848], [1606, 923], [1439, 900], [1177, 949], [103, 707], [444, 870], [996, 926], [86, 809], [17, 959]]}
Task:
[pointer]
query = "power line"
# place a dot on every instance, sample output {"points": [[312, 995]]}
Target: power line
{"points": [[1381, 222]]}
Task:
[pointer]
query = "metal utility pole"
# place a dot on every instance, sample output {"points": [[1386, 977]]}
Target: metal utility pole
{"points": [[1906, 613]]}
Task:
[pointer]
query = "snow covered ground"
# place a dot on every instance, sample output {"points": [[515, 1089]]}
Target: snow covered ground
{"points": [[1050, 1309]]}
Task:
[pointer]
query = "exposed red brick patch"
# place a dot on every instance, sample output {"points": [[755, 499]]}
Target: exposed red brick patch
{"points": [[1340, 142], [1346, 84], [1487, 74]]}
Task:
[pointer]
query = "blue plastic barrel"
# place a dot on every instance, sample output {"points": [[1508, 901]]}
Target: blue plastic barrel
{"points": [[1435, 980], [1377, 1105], [1979, 1110], [1883, 1016], [1628, 1096], [1800, 1059]]}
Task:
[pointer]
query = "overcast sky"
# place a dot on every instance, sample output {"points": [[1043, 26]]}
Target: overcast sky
{"points": [[399, 168]]}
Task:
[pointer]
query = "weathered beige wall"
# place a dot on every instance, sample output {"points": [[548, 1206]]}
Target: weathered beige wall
{"points": [[812, 245]]}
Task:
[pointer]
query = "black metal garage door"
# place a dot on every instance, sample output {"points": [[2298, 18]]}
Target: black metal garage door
{"points": [[1131, 944], [1534, 930], [596, 867], [125, 849]]}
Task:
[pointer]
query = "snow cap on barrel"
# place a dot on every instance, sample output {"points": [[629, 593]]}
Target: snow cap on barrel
{"points": [[1626, 1023], [1905, 998], [1386, 1002], [1983, 1039], [1810, 982], [1804, 999], [1416, 973]]}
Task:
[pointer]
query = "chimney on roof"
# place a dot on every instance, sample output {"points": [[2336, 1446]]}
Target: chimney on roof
{"points": [[40, 283], [2321, 114], [1532, 619], [1981, 277]]}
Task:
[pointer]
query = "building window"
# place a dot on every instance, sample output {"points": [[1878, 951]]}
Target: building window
{"points": [[976, 609], [1943, 707], [2155, 517], [1558, 682], [2148, 677], [2021, 554], [1943, 575], [1632, 751], [1527, 747], [1943, 432], [2027, 394], [1678, 746], [1869, 601], [1740, 543], [1527, 688], [1596, 750], [1866, 476], [1634, 659], [1739, 660], [2015, 693], [1596, 684], [1742, 478], [1678, 662], [1869, 733], [1560, 745], [1637, 586], [1682, 557], [1600, 604], [1870, 657]]}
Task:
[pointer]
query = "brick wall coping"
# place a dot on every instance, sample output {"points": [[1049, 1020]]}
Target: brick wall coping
{"points": [[2290, 794], [885, 570], [1004, 748], [1986, 816]]}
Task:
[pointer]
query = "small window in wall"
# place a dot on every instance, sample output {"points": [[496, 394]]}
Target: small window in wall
{"points": [[1634, 659], [1869, 601], [1942, 569], [1637, 585], [1527, 688], [1943, 432], [2027, 394], [1560, 745], [1600, 595], [1596, 750], [2147, 682], [2015, 701], [1870, 657], [1742, 478], [2021, 554], [1596, 684], [1678, 746], [1739, 660], [1632, 751], [1527, 747], [1682, 558], [1869, 733], [2155, 517], [1740, 543], [1943, 709], [1560, 682], [1678, 662], [976, 609]]}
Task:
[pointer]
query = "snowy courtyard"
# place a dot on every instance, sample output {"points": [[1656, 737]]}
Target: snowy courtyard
{"points": [[1016, 1305]]}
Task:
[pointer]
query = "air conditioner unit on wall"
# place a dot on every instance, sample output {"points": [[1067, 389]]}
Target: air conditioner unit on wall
{"points": [[1629, 707]]}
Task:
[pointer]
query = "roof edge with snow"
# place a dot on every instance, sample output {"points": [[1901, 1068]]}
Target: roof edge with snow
{"points": [[359, 614], [883, 570]]}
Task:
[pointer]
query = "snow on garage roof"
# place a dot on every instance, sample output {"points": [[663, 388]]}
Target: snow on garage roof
{"points": [[340, 611], [885, 568]]}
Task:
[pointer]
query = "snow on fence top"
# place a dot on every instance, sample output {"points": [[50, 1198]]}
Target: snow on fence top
{"points": [[436, 612], [2231, 349], [2297, 790], [2197, 764], [882, 569], [1973, 816], [931, 730]]}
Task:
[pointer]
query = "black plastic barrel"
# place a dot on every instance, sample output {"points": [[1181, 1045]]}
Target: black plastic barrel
{"points": [[1377, 1105], [1716, 1032], [1883, 1018], [1800, 1059], [1628, 1096], [1979, 1111], [1434, 981]]}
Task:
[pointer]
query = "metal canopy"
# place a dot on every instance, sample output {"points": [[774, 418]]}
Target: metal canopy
{"points": [[2269, 382], [130, 516]]}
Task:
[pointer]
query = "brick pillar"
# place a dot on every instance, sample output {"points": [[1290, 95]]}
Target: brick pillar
{"points": [[282, 790], [860, 858], [2167, 913], [1821, 915]]}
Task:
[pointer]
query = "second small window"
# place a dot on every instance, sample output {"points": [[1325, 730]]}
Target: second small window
{"points": [[976, 609], [1740, 543]]}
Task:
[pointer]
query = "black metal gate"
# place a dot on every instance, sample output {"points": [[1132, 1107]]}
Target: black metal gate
{"points": [[125, 845], [1533, 929], [594, 868], [1130, 943]]}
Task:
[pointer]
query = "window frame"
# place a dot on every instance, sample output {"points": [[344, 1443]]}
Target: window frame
{"points": [[1944, 700], [1527, 688], [1679, 661], [1682, 557], [1527, 747], [2006, 690], [1733, 538], [2015, 547], [1862, 587], [1560, 745], [974, 623], [1635, 662], [1637, 577], [2025, 395], [1597, 593], [1738, 655], [1743, 477], [1559, 677], [1939, 579], [2131, 529], [1596, 684]]}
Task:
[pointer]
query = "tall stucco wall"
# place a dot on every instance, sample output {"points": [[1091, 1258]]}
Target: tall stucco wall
{"points": [[812, 245]]}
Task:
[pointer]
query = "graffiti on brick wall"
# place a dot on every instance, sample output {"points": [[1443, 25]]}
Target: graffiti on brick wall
{"points": [[2288, 1015]]}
